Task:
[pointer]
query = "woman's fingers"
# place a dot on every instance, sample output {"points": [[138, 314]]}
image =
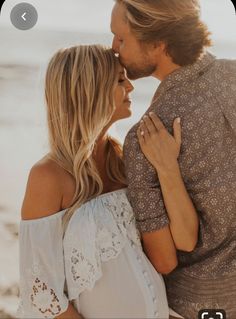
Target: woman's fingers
{"points": [[152, 124], [177, 130], [156, 121], [149, 124], [140, 135], [144, 129]]}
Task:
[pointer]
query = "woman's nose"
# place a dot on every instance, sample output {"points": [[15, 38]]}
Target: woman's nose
{"points": [[129, 86]]}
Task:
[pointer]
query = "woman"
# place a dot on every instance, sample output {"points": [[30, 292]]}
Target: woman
{"points": [[80, 253]]}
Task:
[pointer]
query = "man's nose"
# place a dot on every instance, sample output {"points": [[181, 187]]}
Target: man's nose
{"points": [[115, 46]]}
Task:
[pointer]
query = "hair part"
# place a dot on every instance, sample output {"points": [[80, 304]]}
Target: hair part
{"points": [[79, 90], [176, 23]]}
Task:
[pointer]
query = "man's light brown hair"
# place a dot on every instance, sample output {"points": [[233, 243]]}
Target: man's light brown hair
{"points": [[176, 23]]}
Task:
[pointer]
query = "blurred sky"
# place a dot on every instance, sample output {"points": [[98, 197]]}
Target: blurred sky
{"points": [[91, 15]]}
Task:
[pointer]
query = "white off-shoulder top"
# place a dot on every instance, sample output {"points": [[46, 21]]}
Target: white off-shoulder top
{"points": [[99, 265]]}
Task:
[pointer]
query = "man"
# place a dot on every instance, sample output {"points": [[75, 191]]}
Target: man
{"points": [[166, 39]]}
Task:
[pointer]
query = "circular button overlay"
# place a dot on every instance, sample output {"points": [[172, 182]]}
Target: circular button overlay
{"points": [[24, 16]]}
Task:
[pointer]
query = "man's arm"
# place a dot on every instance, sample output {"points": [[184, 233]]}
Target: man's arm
{"points": [[146, 199]]}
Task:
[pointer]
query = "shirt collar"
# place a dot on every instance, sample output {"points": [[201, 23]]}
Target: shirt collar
{"points": [[186, 73]]}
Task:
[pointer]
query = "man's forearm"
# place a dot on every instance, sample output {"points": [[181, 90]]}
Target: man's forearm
{"points": [[181, 211]]}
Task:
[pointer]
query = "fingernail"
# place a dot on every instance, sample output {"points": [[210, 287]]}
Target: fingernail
{"points": [[145, 116], [178, 120], [151, 113]]}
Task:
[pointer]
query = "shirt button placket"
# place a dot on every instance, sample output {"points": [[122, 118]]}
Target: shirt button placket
{"points": [[150, 286]]}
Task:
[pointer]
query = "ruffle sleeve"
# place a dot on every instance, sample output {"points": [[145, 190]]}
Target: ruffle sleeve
{"points": [[42, 275], [96, 233]]}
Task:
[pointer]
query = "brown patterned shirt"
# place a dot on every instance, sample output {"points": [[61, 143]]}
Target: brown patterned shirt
{"points": [[203, 95]]}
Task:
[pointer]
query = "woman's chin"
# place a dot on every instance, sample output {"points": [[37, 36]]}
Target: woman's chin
{"points": [[125, 115], [129, 112]]}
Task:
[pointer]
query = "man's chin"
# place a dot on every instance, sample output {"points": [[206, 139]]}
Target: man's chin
{"points": [[135, 73], [135, 76], [132, 75]]}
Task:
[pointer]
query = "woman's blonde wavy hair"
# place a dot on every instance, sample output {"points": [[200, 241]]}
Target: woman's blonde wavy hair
{"points": [[79, 90], [175, 22]]}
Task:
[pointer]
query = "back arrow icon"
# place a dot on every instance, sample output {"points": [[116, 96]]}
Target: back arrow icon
{"points": [[23, 16]]}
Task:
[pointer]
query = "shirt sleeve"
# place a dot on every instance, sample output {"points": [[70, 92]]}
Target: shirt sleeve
{"points": [[144, 191], [42, 276]]}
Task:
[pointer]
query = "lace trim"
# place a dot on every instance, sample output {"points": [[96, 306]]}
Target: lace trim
{"points": [[42, 295], [86, 270], [125, 219], [82, 270], [112, 226], [43, 299]]}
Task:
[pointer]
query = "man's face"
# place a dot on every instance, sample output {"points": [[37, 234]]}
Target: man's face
{"points": [[136, 58]]}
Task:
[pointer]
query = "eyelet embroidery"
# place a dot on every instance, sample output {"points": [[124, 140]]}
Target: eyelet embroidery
{"points": [[110, 244], [124, 216], [42, 295], [82, 270], [114, 222]]}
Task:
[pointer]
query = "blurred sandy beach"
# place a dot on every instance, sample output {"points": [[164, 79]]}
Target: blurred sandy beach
{"points": [[23, 132]]}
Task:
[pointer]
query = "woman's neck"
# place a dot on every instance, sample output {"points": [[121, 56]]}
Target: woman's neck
{"points": [[99, 151], [100, 157]]}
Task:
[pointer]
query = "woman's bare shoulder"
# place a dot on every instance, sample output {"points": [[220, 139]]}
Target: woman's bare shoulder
{"points": [[45, 189]]}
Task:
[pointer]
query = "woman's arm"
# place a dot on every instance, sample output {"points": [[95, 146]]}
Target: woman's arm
{"points": [[162, 150], [160, 249], [43, 197], [70, 313], [182, 214]]}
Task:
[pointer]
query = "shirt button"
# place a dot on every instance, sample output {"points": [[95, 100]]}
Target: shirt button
{"points": [[145, 273], [154, 300], [151, 286], [155, 313]]}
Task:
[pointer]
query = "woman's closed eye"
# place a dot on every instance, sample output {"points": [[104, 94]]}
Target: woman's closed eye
{"points": [[121, 80]]}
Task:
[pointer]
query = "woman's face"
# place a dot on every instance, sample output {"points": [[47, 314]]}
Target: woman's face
{"points": [[121, 97]]}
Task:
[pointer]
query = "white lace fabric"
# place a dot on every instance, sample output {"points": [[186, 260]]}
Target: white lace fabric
{"points": [[97, 232], [41, 268]]}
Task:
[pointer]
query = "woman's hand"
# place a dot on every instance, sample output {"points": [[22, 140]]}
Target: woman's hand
{"points": [[162, 150], [158, 145]]}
